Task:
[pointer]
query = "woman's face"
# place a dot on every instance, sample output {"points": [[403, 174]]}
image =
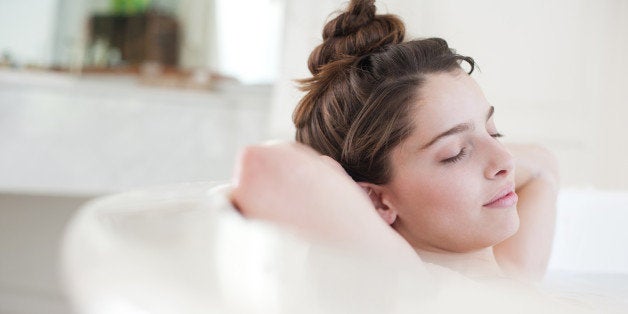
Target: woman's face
{"points": [[449, 171]]}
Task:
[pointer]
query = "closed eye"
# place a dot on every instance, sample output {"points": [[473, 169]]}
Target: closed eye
{"points": [[456, 158]]}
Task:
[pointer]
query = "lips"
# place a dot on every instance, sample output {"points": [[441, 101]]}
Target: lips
{"points": [[506, 197]]}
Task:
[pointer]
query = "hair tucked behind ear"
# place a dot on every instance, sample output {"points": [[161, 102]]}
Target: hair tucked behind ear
{"points": [[365, 80]]}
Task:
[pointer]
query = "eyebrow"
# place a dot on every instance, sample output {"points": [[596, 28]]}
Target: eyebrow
{"points": [[462, 127]]}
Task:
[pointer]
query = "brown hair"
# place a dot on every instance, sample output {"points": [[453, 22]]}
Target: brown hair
{"points": [[365, 81]]}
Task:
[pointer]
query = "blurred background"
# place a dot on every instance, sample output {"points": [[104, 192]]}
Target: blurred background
{"points": [[102, 96]]}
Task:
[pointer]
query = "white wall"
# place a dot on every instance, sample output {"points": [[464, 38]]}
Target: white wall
{"points": [[248, 38], [552, 69], [235, 38], [27, 30]]}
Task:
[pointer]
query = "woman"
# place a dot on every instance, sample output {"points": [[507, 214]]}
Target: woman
{"points": [[413, 129]]}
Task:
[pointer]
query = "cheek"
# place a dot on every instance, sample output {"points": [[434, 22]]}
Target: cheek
{"points": [[454, 185], [443, 208], [440, 194]]}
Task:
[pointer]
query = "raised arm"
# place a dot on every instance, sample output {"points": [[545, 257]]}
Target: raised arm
{"points": [[290, 185], [527, 253]]}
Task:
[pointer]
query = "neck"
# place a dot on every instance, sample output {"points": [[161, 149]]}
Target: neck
{"points": [[480, 263]]}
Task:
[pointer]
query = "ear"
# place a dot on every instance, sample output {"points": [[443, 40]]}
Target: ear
{"points": [[374, 193]]}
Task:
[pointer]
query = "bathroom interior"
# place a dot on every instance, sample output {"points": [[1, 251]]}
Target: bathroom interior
{"points": [[105, 96]]}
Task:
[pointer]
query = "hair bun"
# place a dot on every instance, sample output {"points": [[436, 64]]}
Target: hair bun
{"points": [[358, 14], [356, 32]]}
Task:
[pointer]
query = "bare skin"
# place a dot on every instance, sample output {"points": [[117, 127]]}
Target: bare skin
{"points": [[441, 197], [289, 184], [526, 254]]}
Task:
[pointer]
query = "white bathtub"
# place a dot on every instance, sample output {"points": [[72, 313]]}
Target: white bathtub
{"points": [[148, 250], [590, 253]]}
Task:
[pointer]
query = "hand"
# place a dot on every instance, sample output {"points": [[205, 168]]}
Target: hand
{"points": [[534, 162], [291, 185]]}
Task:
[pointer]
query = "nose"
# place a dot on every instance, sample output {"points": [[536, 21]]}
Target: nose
{"points": [[500, 161]]}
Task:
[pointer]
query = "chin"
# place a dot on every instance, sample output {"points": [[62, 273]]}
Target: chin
{"points": [[492, 236], [511, 226]]}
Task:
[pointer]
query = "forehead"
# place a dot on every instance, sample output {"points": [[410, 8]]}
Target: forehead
{"points": [[445, 100]]}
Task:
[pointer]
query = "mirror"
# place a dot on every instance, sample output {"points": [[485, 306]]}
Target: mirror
{"points": [[178, 38]]}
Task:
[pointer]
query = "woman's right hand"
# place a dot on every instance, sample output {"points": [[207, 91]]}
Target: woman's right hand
{"points": [[291, 185]]}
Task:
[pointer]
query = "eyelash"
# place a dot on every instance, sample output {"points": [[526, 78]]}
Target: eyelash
{"points": [[463, 152], [456, 158]]}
